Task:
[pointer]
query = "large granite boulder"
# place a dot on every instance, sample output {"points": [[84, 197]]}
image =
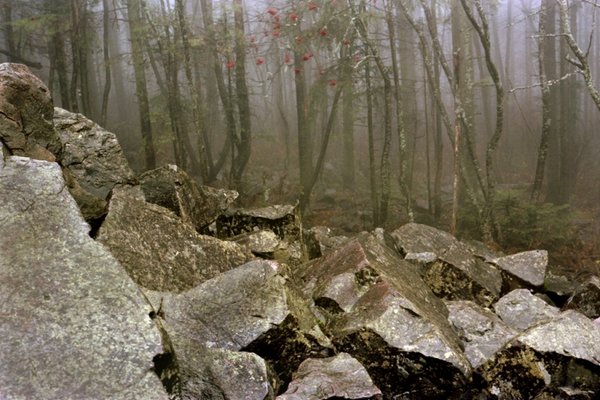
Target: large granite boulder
{"points": [[91, 154], [172, 188], [339, 377], [562, 352], [73, 324], [380, 311], [157, 249], [249, 308], [448, 266], [26, 111]]}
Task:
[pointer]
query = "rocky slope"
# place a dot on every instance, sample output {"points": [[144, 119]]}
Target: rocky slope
{"points": [[114, 286]]}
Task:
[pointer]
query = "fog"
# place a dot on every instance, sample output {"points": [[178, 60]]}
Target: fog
{"points": [[388, 109]]}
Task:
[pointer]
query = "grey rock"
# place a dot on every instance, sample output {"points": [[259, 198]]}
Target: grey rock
{"points": [[381, 312], [340, 377], [261, 243], [172, 188], [157, 249], [219, 374], [454, 273], [563, 352], [481, 331], [248, 308], [559, 287], [482, 251], [91, 154], [586, 298], [528, 266], [281, 219], [320, 240], [521, 310], [26, 127], [74, 325]]}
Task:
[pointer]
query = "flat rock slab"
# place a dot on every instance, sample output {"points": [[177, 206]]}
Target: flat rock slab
{"points": [[26, 114], [340, 377], [448, 266], [528, 266], [158, 250], [92, 154], [521, 309], [73, 324], [172, 188], [563, 352], [586, 298], [481, 331]]}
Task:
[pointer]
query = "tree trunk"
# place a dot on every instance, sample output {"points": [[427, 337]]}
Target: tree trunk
{"points": [[243, 102], [106, 54], [305, 152], [141, 90]]}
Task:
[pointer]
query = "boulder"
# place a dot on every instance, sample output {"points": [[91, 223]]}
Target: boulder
{"points": [[281, 219], [525, 268], [339, 377], [262, 243], [157, 249], [562, 352], [74, 325], [521, 309], [586, 298], [250, 309], [320, 240], [482, 333], [172, 188], [380, 311], [91, 154], [26, 111], [448, 266], [559, 288]]}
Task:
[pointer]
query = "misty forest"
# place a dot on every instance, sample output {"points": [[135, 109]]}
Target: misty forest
{"points": [[478, 117]]}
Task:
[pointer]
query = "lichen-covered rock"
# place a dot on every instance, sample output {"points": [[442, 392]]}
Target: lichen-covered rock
{"points": [[528, 267], [73, 324], [320, 240], [380, 311], [339, 377], [157, 249], [261, 243], [249, 308], [521, 309], [26, 111], [559, 288], [281, 219], [448, 266], [563, 352], [586, 298], [172, 188], [92, 154], [481, 331], [219, 374]]}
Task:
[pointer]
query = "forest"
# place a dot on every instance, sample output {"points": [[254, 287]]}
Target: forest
{"points": [[479, 117]]}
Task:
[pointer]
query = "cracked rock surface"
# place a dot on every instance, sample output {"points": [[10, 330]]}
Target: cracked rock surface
{"points": [[73, 324]]}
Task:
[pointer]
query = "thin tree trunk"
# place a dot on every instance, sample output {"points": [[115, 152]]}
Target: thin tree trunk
{"points": [[106, 54], [141, 90], [243, 102], [546, 108], [372, 164]]}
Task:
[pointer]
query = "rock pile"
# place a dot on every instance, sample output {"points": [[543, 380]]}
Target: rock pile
{"points": [[154, 287]]}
